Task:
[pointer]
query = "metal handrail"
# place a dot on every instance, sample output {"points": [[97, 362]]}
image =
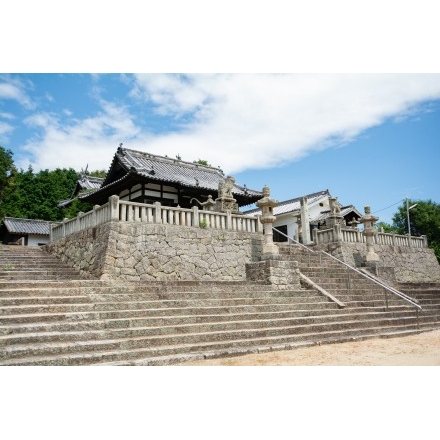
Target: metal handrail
{"points": [[369, 277]]}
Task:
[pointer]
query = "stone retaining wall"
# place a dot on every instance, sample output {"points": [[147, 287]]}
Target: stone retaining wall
{"points": [[397, 263], [279, 274], [141, 252]]}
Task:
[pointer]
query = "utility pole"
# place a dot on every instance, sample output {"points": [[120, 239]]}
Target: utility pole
{"points": [[407, 215]]}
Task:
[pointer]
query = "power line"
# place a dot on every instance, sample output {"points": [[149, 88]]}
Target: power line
{"points": [[383, 209]]}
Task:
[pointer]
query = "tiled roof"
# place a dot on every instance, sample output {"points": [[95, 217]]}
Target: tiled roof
{"points": [[345, 210], [129, 163], [88, 182], [174, 171], [27, 226], [293, 205], [84, 185]]}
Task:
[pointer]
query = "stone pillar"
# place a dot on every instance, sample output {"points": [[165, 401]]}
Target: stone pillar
{"points": [[305, 221], [114, 208], [270, 250], [157, 212], [368, 221]]}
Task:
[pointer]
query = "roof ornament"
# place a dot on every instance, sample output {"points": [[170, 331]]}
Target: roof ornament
{"points": [[152, 172], [206, 206], [197, 181]]}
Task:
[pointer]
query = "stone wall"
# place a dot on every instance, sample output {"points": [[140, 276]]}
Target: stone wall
{"points": [[141, 252], [279, 274], [397, 263]]}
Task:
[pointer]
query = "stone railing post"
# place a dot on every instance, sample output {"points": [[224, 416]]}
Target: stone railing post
{"points": [[157, 212], [258, 227], [425, 241], [195, 215], [228, 219], [64, 226], [114, 208]]}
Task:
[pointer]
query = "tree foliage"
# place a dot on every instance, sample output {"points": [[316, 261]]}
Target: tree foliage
{"points": [[387, 228], [424, 220], [36, 195]]}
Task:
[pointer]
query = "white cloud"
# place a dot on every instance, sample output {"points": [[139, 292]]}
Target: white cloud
{"points": [[235, 121], [5, 129], [255, 121], [90, 141], [12, 88]]}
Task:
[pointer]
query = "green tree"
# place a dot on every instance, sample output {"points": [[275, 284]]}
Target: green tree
{"points": [[424, 219], [386, 227], [36, 195]]}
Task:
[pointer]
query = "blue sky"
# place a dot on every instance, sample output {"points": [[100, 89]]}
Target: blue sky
{"points": [[369, 139]]}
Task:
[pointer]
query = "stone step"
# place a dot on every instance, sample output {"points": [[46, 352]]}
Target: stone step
{"points": [[192, 317], [79, 330], [151, 286], [52, 315], [56, 297], [151, 304], [120, 293], [148, 348], [301, 324]]}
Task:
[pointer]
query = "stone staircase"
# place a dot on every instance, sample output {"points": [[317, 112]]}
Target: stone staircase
{"points": [[32, 263], [356, 291], [57, 318]]}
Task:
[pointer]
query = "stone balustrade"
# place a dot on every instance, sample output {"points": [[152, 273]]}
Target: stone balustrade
{"points": [[125, 211], [350, 235]]}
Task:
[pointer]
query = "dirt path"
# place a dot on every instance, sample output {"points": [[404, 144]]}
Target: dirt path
{"points": [[417, 350]]}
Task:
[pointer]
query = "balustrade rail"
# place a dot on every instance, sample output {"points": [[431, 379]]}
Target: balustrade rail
{"points": [[124, 211], [350, 235]]}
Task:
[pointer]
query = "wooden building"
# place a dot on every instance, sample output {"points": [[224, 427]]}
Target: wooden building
{"points": [[147, 178]]}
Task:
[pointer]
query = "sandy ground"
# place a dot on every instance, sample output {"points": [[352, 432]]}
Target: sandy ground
{"points": [[417, 350]]}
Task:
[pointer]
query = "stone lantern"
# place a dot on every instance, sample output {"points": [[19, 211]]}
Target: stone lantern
{"points": [[369, 231], [270, 250]]}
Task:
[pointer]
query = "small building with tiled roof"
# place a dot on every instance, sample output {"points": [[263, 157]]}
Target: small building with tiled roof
{"points": [[33, 232], [147, 178], [288, 213], [349, 213]]}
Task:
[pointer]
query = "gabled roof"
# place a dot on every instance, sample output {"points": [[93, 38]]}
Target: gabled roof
{"points": [[345, 210], [87, 183], [84, 185], [26, 226], [293, 205], [129, 164]]}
